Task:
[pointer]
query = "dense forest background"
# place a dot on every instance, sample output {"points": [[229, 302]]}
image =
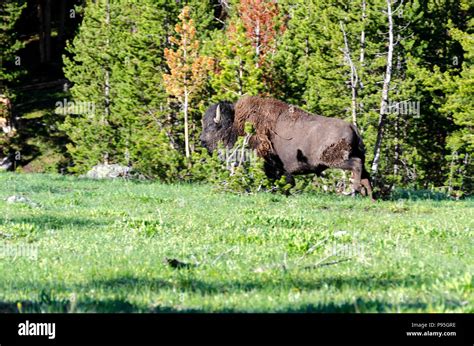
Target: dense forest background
{"points": [[127, 81]]}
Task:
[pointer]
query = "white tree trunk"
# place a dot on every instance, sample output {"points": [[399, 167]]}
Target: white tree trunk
{"points": [[397, 122], [107, 70], [385, 90], [186, 123], [354, 76], [257, 44], [186, 101], [396, 158], [362, 34], [240, 77], [454, 157]]}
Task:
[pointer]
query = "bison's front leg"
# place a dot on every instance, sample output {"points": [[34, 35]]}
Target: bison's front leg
{"points": [[289, 179], [274, 170], [273, 167]]}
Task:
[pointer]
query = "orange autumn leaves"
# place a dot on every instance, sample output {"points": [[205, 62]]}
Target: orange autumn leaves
{"points": [[262, 25], [188, 69]]}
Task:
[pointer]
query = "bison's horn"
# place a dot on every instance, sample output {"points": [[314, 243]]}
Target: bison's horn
{"points": [[217, 118]]}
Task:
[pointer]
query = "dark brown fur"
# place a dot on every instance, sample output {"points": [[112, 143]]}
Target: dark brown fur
{"points": [[263, 113]]}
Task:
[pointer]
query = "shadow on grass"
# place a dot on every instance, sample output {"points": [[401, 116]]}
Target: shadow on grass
{"points": [[47, 222], [360, 305], [86, 305], [121, 287], [20, 185], [418, 195], [194, 285]]}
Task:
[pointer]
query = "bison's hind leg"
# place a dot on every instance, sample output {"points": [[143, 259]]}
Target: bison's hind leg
{"points": [[360, 176], [356, 166], [365, 181]]}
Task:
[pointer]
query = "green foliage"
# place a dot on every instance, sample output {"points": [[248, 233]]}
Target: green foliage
{"points": [[227, 172], [10, 68], [205, 166], [202, 13], [10, 12], [310, 57], [93, 135], [236, 73], [460, 106], [246, 177], [115, 65], [155, 157], [420, 61]]}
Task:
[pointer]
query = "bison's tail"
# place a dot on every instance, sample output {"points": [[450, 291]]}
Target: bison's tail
{"points": [[358, 148]]}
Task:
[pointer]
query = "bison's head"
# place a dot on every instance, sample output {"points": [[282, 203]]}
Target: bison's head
{"points": [[218, 126]]}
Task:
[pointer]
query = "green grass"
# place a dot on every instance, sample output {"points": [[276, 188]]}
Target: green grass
{"points": [[102, 244]]}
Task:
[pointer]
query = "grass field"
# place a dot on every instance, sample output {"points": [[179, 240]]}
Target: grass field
{"points": [[76, 245]]}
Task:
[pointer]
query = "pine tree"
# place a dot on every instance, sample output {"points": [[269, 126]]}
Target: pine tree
{"points": [[460, 102], [202, 14], [425, 53], [93, 135], [10, 71], [188, 69], [116, 64], [263, 23], [235, 73], [460, 105], [260, 19], [148, 136], [315, 54], [10, 11]]}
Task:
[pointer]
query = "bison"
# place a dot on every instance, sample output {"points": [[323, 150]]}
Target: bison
{"points": [[290, 140]]}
